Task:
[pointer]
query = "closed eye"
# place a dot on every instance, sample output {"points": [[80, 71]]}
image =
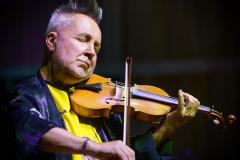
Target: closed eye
{"points": [[97, 47], [83, 39], [87, 38]]}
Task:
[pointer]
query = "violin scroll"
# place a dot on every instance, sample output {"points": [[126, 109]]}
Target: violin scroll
{"points": [[219, 120]]}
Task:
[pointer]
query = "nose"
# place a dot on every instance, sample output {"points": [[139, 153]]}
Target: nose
{"points": [[90, 50]]}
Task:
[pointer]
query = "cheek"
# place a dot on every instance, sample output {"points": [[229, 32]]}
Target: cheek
{"points": [[94, 61], [66, 55]]}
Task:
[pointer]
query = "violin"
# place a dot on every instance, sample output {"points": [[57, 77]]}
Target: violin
{"points": [[100, 97]]}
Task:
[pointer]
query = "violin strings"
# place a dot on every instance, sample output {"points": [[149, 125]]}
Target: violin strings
{"points": [[168, 98], [121, 84], [159, 95], [116, 84]]}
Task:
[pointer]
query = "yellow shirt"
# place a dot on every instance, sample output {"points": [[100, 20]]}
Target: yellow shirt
{"points": [[71, 119]]}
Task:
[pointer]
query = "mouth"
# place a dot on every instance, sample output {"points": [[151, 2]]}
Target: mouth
{"points": [[85, 64]]}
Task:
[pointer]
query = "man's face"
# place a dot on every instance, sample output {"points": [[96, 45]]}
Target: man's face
{"points": [[76, 48]]}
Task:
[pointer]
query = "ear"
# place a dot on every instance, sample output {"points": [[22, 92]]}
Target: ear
{"points": [[51, 39]]}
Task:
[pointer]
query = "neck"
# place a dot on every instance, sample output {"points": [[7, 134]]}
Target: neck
{"points": [[48, 74]]}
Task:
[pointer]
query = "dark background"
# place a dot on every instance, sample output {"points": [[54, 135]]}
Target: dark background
{"points": [[191, 45]]}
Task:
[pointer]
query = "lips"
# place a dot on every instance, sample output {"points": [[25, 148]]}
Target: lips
{"points": [[86, 64], [84, 61]]}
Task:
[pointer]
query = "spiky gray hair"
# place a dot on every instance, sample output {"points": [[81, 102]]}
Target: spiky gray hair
{"points": [[86, 7], [61, 17]]}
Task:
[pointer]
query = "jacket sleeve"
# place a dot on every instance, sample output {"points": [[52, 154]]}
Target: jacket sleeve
{"points": [[26, 121], [145, 148]]}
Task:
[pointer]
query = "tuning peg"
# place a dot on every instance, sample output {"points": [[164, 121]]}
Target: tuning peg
{"points": [[216, 121], [231, 120]]}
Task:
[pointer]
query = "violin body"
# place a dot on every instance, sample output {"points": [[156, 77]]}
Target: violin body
{"points": [[110, 99]]}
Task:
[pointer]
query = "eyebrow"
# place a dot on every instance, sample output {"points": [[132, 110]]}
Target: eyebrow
{"points": [[82, 34]]}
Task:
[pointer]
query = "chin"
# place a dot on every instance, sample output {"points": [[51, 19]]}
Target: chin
{"points": [[81, 77], [78, 75]]}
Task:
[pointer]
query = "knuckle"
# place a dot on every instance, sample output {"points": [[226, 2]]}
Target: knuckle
{"points": [[133, 154], [198, 102], [118, 143], [182, 114]]}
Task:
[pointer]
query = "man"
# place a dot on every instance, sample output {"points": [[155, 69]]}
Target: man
{"points": [[40, 113]]}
